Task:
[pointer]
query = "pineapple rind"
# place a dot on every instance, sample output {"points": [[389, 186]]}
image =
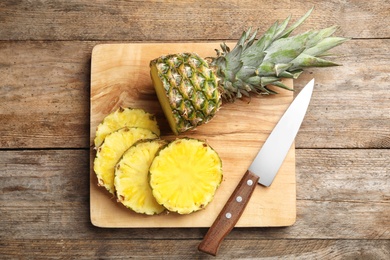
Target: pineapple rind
{"points": [[132, 177], [187, 90], [185, 175], [112, 149], [250, 67], [125, 117]]}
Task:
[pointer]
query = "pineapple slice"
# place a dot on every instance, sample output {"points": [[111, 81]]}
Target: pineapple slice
{"points": [[130, 117], [185, 175], [132, 177], [112, 149]]}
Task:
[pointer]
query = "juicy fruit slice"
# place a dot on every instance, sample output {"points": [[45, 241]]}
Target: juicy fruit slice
{"points": [[132, 177], [112, 149], [122, 117], [185, 175], [187, 90]]}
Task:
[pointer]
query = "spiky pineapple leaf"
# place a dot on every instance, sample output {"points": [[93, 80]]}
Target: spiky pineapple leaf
{"points": [[252, 64], [296, 24], [325, 45], [286, 49], [304, 61]]}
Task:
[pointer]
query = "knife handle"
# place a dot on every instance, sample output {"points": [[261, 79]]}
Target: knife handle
{"points": [[229, 215]]}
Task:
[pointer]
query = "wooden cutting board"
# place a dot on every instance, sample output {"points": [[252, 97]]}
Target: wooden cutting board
{"points": [[120, 77]]}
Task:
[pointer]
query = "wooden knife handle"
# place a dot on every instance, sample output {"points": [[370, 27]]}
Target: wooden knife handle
{"points": [[230, 214]]}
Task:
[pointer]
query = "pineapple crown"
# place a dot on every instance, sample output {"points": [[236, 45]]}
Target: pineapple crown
{"points": [[255, 63]]}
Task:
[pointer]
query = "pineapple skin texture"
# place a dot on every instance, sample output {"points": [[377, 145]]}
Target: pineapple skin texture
{"points": [[185, 175], [187, 90], [250, 67]]}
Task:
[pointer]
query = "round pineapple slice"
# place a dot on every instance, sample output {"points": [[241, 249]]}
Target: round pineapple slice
{"points": [[185, 175], [132, 180], [125, 117], [112, 149]]}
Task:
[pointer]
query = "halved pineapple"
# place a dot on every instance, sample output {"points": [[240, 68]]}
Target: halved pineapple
{"points": [[112, 149], [185, 175], [130, 117], [132, 177]]}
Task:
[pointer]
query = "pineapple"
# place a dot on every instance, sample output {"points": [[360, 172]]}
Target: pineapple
{"points": [[190, 88], [185, 174], [112, 149], [132, 177], [187, 90], [122, 117]]}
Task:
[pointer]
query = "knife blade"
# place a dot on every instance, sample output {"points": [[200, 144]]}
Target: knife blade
{"points": [[262, 170]]}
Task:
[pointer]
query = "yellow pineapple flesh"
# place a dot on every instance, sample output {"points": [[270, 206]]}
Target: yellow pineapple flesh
{"points": [[130, 117], [185, 175], [112, 149], [132, 177]]}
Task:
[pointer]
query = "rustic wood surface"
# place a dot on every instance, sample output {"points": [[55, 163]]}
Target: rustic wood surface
{"points": [[120, 76], [342, 149]]}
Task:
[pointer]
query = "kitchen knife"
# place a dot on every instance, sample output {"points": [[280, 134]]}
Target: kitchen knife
{"points": [[262, 170]]}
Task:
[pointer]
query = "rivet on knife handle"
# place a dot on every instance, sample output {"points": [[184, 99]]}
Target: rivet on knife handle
{"points": [[230, 214]]}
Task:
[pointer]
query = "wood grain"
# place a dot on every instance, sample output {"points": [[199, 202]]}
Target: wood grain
{"points": [[45, 199], [229, 215], [44, 93], [343, 146], [120, 76], [181, 21], [45, 194], [176, 249], [49, 82]]}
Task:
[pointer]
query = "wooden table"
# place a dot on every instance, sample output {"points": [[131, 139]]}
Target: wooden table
{"points": [[342, 149]]}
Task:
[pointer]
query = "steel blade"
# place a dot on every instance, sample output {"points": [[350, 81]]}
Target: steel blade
{"points": [[272, 154]]}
